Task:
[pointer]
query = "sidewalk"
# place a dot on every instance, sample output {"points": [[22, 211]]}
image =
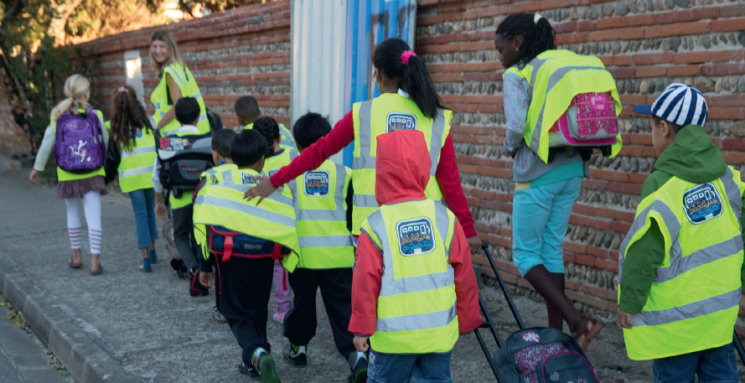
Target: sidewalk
{"points": [[145, 327]]}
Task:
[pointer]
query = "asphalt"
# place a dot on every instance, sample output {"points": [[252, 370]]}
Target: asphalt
{"points": [[145, 328]]}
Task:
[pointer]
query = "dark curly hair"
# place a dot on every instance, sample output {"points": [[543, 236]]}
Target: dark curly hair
{"points": [[538, 37], [127, 115]]}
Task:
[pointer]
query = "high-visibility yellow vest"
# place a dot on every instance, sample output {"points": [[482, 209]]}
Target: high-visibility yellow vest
{"points": [[417, 310], [223, 204], [386, 113], [285, 137], [276, 162], [211, 176], [64, 175], [181, 75], [136, 166], [321, 211], [554, 78], [694, 299], [186, 196]]}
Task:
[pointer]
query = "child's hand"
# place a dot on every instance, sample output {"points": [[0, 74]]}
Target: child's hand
{"points": [[34, 177], [624, 319], [466, 333], [741, 313], [161, 211], [360, 343], [206, 278]]}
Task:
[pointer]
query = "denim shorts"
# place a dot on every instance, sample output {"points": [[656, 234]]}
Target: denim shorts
{"points": [[713, 365], [413, 368]]}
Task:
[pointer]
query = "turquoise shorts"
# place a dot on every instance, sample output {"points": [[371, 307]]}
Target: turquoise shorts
{"points": [[540, 217]]}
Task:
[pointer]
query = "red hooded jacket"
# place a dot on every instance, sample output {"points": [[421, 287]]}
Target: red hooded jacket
{"points": [[402, 174]]}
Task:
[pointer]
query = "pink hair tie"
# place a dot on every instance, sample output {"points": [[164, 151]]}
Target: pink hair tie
{"points": [[406, 56], [123, 89]]}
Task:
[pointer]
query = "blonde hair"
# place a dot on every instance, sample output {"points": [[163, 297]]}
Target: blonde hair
{"points": [[76, 86], [174, 57]]}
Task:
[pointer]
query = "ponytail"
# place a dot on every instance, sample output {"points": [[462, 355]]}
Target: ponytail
{"points": [[394, 59], [76, 86], [537, 33]]}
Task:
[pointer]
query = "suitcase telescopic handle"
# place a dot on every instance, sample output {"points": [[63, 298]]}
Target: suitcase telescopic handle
{"points": [[506, 293]]}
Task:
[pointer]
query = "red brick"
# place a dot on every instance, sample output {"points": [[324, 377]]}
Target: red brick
{"points": [[728, 25], [732, 10], [570, 26], [682, 70], [575, 247], [588, 300], [692, 57], [622, 60], [638, 178], [638, 20], [627, 188], [609, 175], [583, 209], [721, 56], [598, 252], [585, 26], [722, 69], [570, 257], [728, 100], [611, 22], [734, 158], [615, 214], [620, 227], [585, 260], [725, 113], [653, 58], [566, 38], [624, 34], [606, 265], [600, 224], [597, 291], [651, 71], [687, 15], [677, 29], [591, 184], [614, 255]]}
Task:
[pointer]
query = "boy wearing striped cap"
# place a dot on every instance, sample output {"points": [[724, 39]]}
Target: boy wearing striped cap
{"points": [[681, 264]]}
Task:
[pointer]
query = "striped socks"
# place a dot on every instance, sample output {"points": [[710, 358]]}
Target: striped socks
{"points": [[74, 237]]}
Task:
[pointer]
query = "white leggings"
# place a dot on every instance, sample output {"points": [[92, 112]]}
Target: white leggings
{"points": [[92, 208]]}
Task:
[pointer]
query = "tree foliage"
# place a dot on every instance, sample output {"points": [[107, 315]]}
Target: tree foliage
{"points": [[216, 5]]}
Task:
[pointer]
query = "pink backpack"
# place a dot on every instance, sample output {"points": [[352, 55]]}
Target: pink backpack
{"points": [[590, 122]]}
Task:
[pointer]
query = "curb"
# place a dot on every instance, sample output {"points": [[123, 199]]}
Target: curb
{"points": [[86, 361]]}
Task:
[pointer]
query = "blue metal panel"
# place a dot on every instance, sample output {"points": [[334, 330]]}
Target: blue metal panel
{"points": [[369, 22]]}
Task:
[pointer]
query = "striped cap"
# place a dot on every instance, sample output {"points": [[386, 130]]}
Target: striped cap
{"points": [[680, 104]]}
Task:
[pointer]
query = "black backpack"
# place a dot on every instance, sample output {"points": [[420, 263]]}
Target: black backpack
{"points": [[182, 160], [215, 122]]}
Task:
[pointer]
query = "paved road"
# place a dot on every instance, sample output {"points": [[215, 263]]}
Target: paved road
{"points": [[149, 324]]}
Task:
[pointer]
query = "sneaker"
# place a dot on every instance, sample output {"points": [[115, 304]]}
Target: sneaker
{"points": [[358, 365], [296, 355], [265, 361], [279, 317], [218, 316], [249, 370], [195, 288]]}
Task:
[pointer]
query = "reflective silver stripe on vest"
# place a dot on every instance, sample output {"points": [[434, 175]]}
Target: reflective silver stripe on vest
{"points": [[435, 142], [691, 310], [136, 171], [365, 200], [287, 138], [536, 64], [176, 131], [680, 264], [390, 285], [364, 162], [247, 209], [227, 182], [417, 321], [197, 95], [552, 81], [733, 193], [178, 76], [443, 225], [202, 117], [319, 215], [326, 241], [138, 151], [162, 114]]}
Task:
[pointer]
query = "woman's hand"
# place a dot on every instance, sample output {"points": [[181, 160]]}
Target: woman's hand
{"points": [[262, 190], [160, 211], [34, 177]]}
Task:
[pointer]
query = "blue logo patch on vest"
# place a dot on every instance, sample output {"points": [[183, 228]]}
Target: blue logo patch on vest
{"points": [[400, 121], [415, 236], [249, 179], [316, 183], [702, 203]]}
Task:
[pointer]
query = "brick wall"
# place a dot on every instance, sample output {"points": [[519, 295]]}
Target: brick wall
{"points": [[646, 44], [245, 51]]}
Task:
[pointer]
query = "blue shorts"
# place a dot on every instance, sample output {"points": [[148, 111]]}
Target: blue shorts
{"points": [[540, 217]]}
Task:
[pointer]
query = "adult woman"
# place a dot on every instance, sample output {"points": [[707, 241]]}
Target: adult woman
{"points": [[545, 189], [176, 81], [132, 132], [74, 185], [408, 101]]}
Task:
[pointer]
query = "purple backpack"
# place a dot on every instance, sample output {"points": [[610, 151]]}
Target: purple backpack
{"points": [[79, 142]]}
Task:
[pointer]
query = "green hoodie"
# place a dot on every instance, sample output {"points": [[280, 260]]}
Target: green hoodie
{"points": [[693, 158]]}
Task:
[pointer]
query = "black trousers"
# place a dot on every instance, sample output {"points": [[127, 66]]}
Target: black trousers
{"points": [[246, 285], [336, 291], [183, 235], [216, 274]]}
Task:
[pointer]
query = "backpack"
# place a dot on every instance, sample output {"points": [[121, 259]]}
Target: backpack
{"points": [[182, 160], [215, 122], [544, 355], [79, 145], [229, 243]]}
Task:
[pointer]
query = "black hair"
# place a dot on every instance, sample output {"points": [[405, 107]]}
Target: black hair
{"points": [[248, 147], [538, 36], [221, 142], [414, 77], [187, 110], [675, 127], [310, 128], [247, 108], [268, 128]]}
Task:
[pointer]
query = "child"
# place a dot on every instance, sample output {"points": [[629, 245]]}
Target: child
{"points": [[414, 288], [131, 130], [247, 110], [276, 158], [187, 113], [327, 254], [221, 157], [681, 264], [265, 232], [73, 185]]}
